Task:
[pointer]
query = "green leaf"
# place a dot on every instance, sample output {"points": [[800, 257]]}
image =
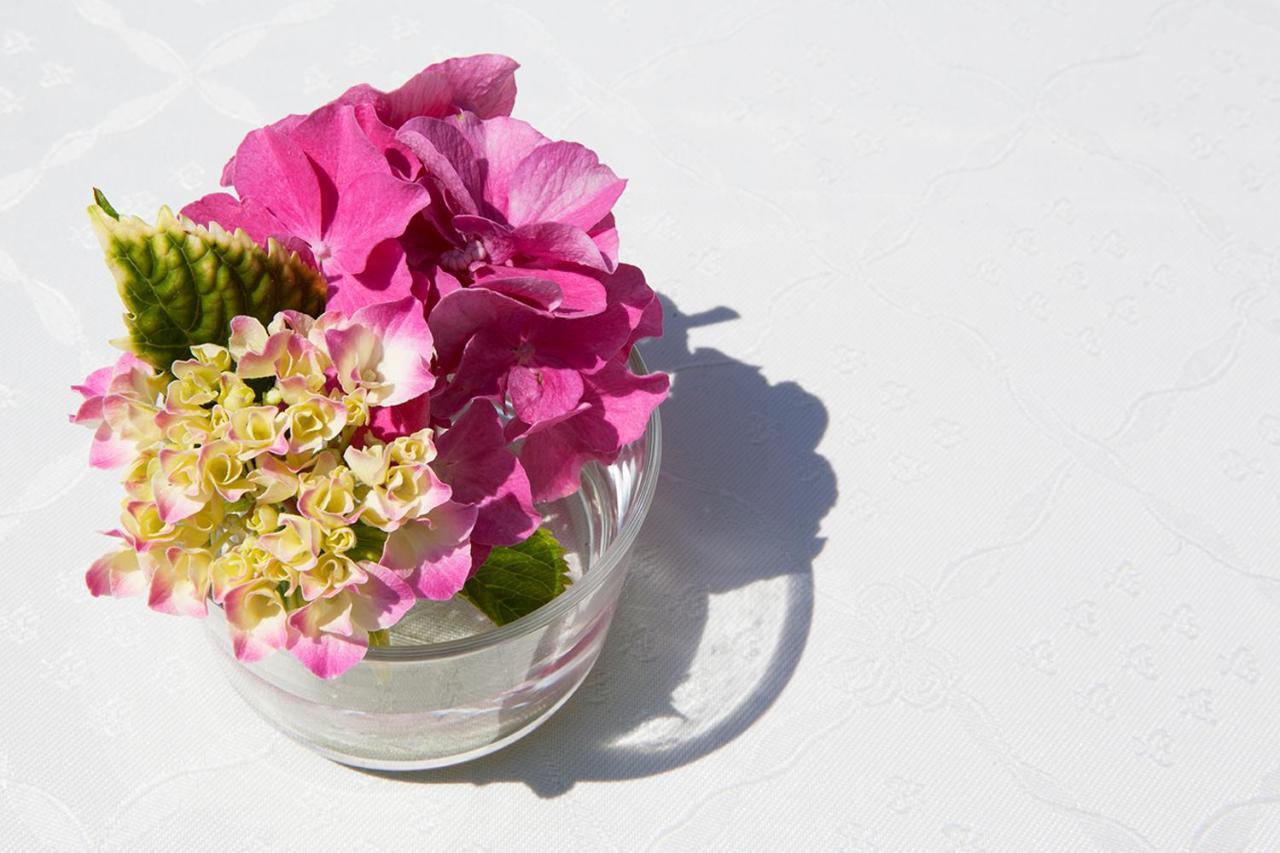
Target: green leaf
{"points": [[101, 201], [181, 283], [369, 542], [518, 580]]}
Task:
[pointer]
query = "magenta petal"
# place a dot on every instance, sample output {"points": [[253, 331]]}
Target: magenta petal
{"points": [[554, 242], [620, 406], [503, 144], [476, 463], [605, 235], [434, 553], [532, 289], [232, 213], [485, 361], [448, 158], [273, 169], [539, 393], [386, 278], [323, 638], [483, 84], [372, 208], [461, 314], [583, 293], [498, 239], [382, 600], [389, 422], [333, 138], [562, 182], [631, 294]]}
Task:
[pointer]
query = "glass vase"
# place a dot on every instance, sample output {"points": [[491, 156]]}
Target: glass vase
{"points": [[452, 687]]}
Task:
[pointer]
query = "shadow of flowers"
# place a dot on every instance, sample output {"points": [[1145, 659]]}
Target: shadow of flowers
{"points": [[718, 603]]}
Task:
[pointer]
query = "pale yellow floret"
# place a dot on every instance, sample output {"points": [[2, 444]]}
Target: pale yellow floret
{"points": [[415, 449], [255, 429], [329, 498], [331, 572], [339, 540], [313, 422], [368, 463], [233, 393], [263, 518]]}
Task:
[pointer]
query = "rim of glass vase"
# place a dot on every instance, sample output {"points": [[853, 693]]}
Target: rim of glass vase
{"points": [[590, 581]]}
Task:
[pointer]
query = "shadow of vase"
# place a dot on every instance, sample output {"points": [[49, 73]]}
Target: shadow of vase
{"points": [[718, 602]]}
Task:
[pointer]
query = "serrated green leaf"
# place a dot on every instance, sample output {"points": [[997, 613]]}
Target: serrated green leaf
{"points": [[181, 283], [518, 580]]}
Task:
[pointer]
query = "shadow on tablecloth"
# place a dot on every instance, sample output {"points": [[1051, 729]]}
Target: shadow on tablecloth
{"points": [[735, 521]]}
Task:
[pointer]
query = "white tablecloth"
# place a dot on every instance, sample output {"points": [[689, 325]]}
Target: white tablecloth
{"points": [[966, 536]]}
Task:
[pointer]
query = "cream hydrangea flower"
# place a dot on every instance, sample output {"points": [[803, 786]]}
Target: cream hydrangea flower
{"points": [[277, 480], [330, 498], [313, 421], [330, 574], [296, 544], [257, 430], [222, 471]]}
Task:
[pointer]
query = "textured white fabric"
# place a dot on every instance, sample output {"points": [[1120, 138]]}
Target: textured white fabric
{"points": [[966, 533]]}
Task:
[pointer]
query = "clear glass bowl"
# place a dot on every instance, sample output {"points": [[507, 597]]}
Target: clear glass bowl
{"points": [[451, 687]]}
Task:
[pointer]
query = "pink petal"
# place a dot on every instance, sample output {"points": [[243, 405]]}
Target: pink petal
{"points": [[539, 393], [433, 553], [323, 639], [483, 84], [620, 406], [273, 169], [382, 600], [473, 458], [118, 574], [555, 242], [95, 384], [232, 213], [252, 637], [386, 278], [562, 182], [172, 590], [406, 346], [109, 450]]}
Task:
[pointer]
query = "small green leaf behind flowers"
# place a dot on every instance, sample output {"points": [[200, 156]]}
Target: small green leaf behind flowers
{"points": [[518, 580], [181, 283]]}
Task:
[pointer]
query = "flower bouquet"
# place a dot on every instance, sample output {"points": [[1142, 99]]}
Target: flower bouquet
{"points": [[351, 384]]}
